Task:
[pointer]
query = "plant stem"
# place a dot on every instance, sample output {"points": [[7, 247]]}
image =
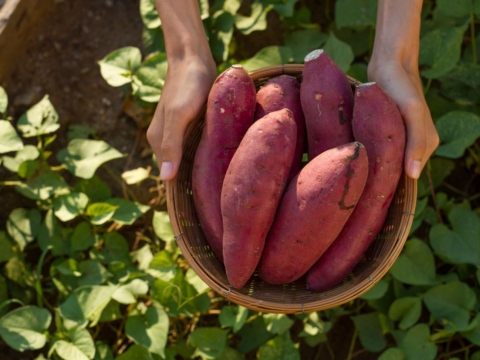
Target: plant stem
{"points": [[434, 197], [319, 352], [330, 350], [448, 355], [454, 189], [472, 35], [10, 183], [429, 83], [352, 344], [38, 282], [8, 302], [474, 155], [119, 181]]}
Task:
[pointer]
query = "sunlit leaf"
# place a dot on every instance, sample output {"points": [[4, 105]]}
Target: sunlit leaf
{"points": [[3, 102], [279, 348], [255, 22], [149, 79], [161, 226], [117, 68], [9, 139], [149, 14], [136, 176], [69, 206], [127, 212], [23, 226], [40, 119], [125, 294], [29, 152], [268, 56]]}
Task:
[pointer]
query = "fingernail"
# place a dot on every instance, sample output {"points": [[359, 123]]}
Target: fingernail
{"points": [[166, 170], [415, 168]]}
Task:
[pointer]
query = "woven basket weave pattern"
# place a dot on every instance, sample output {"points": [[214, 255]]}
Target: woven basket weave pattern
{"points": [[294, 297]]}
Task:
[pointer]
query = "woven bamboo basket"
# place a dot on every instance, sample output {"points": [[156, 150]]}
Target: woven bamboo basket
{"points": [[295, 297]]}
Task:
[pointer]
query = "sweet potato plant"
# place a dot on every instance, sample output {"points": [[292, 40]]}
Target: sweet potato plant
{"points": [[87, 275]]}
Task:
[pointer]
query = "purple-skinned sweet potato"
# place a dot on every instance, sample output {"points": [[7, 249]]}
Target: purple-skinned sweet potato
{"points": [[313, 211], [283, 92], [253, 187], [230, 110], [327, 103], [378, 124]]}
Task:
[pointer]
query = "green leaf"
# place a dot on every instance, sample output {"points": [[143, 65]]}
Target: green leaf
{"points": [[340, 52], [40, 119], [93, 273], [86, 304], [125, 294], [230, 354], [51, 233], [377, 291], [117, 68], [94, 188], [392, 354], [457, 8], [255, 22], [440, 169], [149, 330], [127, 211], [149, 14], [162, 266], [233, 317], [9, 139], [153, 40], [103, 351], [143, 257], [416, 344], [416, 265], [149, 79], [3, 102], [407, 310], [458, 91], [473, 332], [462, 245], [161, 226], [285, 8], [276, 323], [279, 348], [23, 328], [209, 341], [302, 42], [78, 131], [81, 347], [353, 13], [457, 130], [221, 34], [16, 270], [83, 157], [43, 186], [29, 152], [136, 352], [101, 212], [82, 237], [111, 312], [271, 55], [451, 304], [440, 49], [23, 226], [194, 280], [6, 249], [3, 294], [115, 249], [467, 73], [358, 71], [68, 206], [370, 331], [136, 176], [253, 334]]}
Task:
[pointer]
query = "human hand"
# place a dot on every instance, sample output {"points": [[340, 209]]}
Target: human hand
{"points": [[405, 88], [187, 84]]}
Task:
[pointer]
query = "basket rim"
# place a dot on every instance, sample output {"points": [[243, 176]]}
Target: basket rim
{"points": [[271, 306]]}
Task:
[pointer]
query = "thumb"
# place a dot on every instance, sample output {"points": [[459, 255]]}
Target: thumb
{"points": [[171, 149], [414, 116]]}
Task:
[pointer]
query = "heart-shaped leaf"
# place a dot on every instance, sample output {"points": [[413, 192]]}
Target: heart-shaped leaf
{"points": [[271, 55], [161, 226], [40, 119], [125, 294], [302, 42], [149, 79], [416, 265], [83, 156], [23, 226], [279, 348], [370, 331], [407, 310], [127, 212], [43, 186], [149, 330], [256, 21], [149, 14], [9, 139], [23, 328], [416, 344], [81, 346], [68, 206], [118, 67], [29, 152], [341, 53], [209, 341]]}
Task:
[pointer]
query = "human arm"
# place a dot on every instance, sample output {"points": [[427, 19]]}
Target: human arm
{"points": [[191, 72], [394, 66]]}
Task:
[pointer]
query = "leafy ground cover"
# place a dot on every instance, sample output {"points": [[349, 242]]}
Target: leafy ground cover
{"points": [[90, 275]]}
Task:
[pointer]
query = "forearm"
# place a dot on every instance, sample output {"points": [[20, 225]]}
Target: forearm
{"points": [[397, 35], [182, 28]]}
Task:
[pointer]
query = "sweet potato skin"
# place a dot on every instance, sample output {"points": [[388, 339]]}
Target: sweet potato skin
{"points": [[313, 211], [230, 110], [377, 123], [327, 103], [253, 186], [283, 92]]}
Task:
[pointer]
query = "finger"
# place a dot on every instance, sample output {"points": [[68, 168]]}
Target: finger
{"points": [[413, 113], [171, 148], [155, 132]]}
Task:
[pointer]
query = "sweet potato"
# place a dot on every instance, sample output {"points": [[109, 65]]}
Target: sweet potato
{"points": [[230, 110], [313, 211], [377, 123], [283, 92], [327, 103], [254, 184]]}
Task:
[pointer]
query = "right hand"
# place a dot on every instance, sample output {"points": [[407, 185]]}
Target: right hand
{"points": [[187, 85]]}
